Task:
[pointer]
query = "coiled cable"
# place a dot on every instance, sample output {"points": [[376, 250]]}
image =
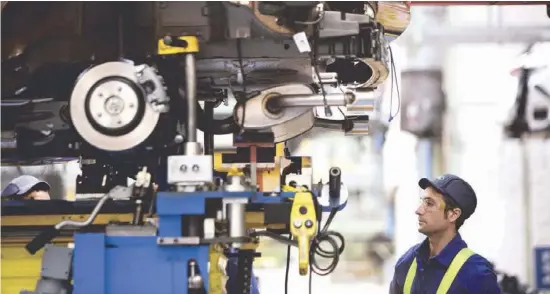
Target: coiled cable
{"points": [[332, 252], [318, 250], [336, 247]]}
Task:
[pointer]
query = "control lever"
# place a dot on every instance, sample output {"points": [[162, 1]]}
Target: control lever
{"points": [[142, 187], [48, 235], [303, 227]]}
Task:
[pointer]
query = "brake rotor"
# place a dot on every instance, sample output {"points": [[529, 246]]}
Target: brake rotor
{"points": [[108, 107]]}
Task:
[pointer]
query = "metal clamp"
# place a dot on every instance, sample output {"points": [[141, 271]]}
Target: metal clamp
{"points": [[190, 169], [154, 88]]}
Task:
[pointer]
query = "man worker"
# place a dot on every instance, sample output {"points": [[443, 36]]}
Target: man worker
{"points": [[26, 187], [442, 263]]}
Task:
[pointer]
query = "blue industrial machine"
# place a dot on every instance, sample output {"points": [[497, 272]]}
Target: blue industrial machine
{"points": [[169, 262], [174, 255], [122, 91]]}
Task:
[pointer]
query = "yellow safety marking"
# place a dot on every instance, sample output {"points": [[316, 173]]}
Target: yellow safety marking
{"points": [[410, 277], [53, 219], [450, 275], [20, 270], [192, 46], [457, 263], [215, 278]]}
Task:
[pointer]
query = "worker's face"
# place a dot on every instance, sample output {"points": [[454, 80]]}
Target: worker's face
{"points": [[432, 217], [38, 195]]}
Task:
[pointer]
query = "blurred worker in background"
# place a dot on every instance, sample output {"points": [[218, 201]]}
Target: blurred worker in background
{"points": [[443, 263], [26, 188]]}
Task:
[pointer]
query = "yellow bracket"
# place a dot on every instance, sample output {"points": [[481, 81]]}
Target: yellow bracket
{"points": [[287, 188], [233, 171], [192, 46], [303, 226], [216, 275]]}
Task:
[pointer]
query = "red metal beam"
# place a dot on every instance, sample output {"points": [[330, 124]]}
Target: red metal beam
{"points": [[463, 3]]}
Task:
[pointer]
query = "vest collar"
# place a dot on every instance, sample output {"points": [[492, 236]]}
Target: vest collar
{"points": [[445, 257]]}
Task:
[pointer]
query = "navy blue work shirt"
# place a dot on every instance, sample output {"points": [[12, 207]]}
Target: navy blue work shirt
{"points": [[475, 277]]}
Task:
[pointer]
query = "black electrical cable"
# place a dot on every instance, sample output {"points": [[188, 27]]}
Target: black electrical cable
{"points": [[394, 76], [287, 263], [323, 236], [310, 277], [336, 244]]}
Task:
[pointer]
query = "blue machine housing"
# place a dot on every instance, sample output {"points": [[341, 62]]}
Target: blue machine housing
{"points": [[137, 264]]}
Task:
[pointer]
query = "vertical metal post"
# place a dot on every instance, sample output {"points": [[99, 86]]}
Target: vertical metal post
{"points": [[191, 94]]}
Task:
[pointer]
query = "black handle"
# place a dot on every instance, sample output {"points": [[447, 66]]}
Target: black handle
{"points": [[334, 182], [41, 240], [175, 42]]}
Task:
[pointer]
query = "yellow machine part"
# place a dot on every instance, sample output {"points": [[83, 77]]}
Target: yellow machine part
{"points": [[192, 46], [215, 274], [20, 270], [303, 226]]}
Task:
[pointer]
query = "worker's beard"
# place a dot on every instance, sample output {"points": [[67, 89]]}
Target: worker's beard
{"points": [[432, 228], [423, 228]]}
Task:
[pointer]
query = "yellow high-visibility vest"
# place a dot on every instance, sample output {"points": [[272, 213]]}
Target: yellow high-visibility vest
{"points": [[450, 275]]}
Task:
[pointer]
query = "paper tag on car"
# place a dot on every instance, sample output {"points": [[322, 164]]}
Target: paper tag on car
{"points": [[300, 39]]}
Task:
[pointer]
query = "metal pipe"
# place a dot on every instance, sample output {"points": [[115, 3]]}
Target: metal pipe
{"points": [[334, 99], [365, 102], [235, 212], [191, 95], [470, 3], [451, 35], [91, 218], [312, 100], [527, 201], [237, 228]]}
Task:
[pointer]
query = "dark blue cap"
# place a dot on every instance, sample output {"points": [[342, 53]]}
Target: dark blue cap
{"points": [[455, 188], [22, 185]]}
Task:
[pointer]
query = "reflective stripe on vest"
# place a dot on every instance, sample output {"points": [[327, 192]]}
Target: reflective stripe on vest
{"points": [[448, 278]]}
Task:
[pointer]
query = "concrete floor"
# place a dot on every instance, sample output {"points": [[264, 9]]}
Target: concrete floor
{"points": [[272, 281]]}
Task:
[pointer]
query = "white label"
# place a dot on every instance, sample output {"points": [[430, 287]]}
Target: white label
{"points": [[209, 226], [300, 39]]}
